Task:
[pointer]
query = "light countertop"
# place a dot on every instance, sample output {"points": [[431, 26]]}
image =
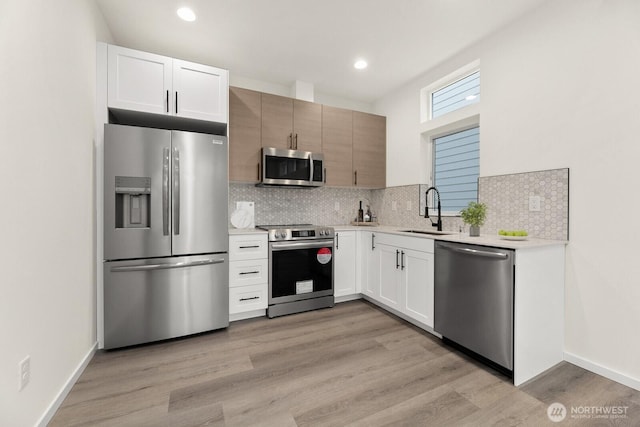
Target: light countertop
{"points": [[240, 231], [483, 239]]}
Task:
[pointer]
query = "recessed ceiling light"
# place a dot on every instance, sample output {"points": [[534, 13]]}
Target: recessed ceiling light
{"points": [[187, 14], [360, 64], [470, 97]]}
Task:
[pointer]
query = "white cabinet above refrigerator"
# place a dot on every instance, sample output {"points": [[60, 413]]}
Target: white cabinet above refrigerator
{"points": [[150, 83]]}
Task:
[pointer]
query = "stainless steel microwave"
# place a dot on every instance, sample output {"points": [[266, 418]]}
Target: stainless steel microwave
{"points": [[282, 167]]}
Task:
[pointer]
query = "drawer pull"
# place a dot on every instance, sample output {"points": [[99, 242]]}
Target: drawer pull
{"points": [[249, 299], [249, 247], [249, 272]]}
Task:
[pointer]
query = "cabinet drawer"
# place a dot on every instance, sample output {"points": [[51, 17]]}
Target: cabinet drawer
{"points": [[248, 272], [247, 298], [246, 246]]}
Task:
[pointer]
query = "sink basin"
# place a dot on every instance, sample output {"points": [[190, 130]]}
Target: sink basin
{"points": [[435, 233]]}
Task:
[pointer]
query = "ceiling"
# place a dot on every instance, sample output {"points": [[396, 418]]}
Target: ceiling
{"points": [[281, 41]]}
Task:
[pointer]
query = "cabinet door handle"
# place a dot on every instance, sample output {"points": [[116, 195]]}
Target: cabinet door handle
{"points": [[373, 241], [249, 247], [337, 240], [249, 299], [355, 180], [402, 260], [291, 141], [176, 102], [325, 175], [167, 100], [397, 263], [296, 141], [248, 272]]}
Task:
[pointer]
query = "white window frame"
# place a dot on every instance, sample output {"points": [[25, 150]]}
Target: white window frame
{"points": [[455, 121], [426, 93]]}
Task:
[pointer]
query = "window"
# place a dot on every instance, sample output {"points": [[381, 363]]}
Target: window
{"points": [[456, 168], [463, 92]]}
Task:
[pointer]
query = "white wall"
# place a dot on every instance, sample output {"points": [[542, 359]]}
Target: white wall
{"points": [[47, 289], [284, 90], [559, 89]]}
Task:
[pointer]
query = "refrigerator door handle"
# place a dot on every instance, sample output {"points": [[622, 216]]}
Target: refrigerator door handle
{"points": [[176, 191], [165, 191], [147, 267]]}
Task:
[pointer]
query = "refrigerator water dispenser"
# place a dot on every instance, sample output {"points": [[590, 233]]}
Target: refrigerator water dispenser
{"points": [[133, 198]]}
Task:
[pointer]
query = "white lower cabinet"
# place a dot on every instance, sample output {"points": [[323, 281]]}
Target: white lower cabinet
{"points": [[370, 269], [399, 274], [417, 284], [390, 276], [345, 250], [248, 275], [247, 298]]}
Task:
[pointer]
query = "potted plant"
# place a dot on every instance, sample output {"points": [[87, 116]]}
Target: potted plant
{"points": [[474, 215]]}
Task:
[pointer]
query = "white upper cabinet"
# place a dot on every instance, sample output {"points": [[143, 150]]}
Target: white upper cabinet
{"points": [[138, 81], [200, 91], [149, 83]]}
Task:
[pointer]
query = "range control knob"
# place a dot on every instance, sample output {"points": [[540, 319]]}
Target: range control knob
{"points": [[322, 232]]}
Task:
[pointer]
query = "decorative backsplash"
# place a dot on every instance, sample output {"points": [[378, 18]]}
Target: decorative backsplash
{"points": [[283, 205], [506, 197], [507, 200]]}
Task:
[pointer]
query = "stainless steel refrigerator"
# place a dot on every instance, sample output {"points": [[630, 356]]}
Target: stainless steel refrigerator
{"points": [[166, 269]]}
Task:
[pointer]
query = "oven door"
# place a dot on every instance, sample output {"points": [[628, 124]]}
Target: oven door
{"points": [[300, 270]]}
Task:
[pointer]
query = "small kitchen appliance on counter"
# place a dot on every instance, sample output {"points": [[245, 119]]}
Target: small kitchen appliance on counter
{"points": [[300, 268]]}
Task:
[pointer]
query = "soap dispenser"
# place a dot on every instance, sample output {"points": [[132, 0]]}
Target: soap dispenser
{"points": [[367, 215]]}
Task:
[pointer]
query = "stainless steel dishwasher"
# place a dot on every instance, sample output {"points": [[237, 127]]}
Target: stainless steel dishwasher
{"points": [[474, 288]]}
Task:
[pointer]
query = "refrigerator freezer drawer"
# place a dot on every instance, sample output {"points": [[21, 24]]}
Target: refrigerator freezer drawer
{"points": [[160, 298]]}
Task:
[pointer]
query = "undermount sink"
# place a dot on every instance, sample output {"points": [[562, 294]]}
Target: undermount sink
{"points": [[437, 233]]}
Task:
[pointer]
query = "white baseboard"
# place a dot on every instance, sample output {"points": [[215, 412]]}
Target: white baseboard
{"points": [[247, 315], [346, 298], [602, 370], [55, 405]]}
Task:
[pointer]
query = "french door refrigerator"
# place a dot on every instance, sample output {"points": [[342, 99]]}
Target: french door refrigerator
{"points": [[166, 269]]}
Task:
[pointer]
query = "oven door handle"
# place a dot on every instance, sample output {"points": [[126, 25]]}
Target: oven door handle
{"points": [[283, 246]]}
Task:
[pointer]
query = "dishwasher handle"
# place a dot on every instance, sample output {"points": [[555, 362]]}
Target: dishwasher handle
{"points": [[469, 251]]}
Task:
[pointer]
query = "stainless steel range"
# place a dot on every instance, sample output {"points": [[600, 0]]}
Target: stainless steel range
{"points": [[300, 268]]}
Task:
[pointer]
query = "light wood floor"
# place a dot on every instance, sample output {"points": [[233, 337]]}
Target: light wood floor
{"points": [[352, 365]]}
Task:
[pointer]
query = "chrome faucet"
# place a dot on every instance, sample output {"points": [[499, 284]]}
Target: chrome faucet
{"points": [[437, 224]]}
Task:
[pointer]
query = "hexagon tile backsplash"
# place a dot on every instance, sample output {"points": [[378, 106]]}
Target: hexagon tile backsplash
{"points": [[507, 199], [506, 196]]}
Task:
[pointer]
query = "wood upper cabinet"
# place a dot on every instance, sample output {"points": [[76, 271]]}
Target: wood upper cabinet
{"points": [[353, 143], [337, 146], [291, 123], [245, 121], [369, 150], [307, 126], [277, 121]]}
